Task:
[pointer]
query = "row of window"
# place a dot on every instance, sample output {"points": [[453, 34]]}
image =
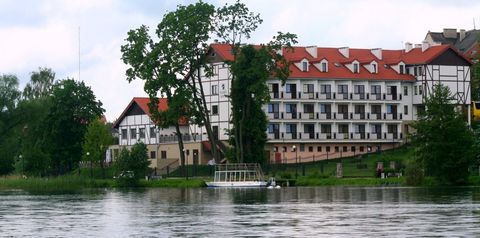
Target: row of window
{"points": [[327, 128], [327, 108], [341, 89], [326, 148], [141, 133]]}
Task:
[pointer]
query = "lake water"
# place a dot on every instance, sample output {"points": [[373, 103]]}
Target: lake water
{"points": [[286, 212]]}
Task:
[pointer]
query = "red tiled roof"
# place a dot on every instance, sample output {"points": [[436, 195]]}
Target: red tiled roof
{"points": [[142, 102], [336, 61]]}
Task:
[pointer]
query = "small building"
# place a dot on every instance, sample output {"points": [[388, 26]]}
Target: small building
{"points": [[464, 41], [135, 125]]}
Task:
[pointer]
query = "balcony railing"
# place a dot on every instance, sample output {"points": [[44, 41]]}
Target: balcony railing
{"points": [[359, 96], [308, 95], [325, 96], [307, 115], [274, 95], [359, 116], [273, 136], [324, 116], [375, 96], [307, 135], [358, 136], [342, 116], [274, 115], [289, 116], [325, 136]]}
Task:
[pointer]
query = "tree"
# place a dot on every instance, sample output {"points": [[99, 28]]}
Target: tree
{"points": [[180, 50], [443, 141], [9, 97], [96, 141], [132, 165], [40, 85], [73, 107]]}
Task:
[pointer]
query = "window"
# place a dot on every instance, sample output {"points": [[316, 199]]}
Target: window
{"points": [[343, 128], [337, 149], [325, 108], [361, 148], [324, 67], [326, 128], [415, 71], [214, 109], [325, 89], [142, 133], [273, 108], [308, 88], [405, 91], [153, 155], [291, 88], [342, 108], [420, 90], [214, 89], [376, 89], [124, 134], [291, 108], [308, 108], [319, 149], [302, 147], [291, 128], [344, 149], [327, 149], [310, 149], [355, 68], [273, 128], [420, 71], [133, 133], [402, 68], [374, 68], [415, 90], [153, 134], [408, 70], [342, 88], [405, 109], [163, 154], [359, 89], [389, 109], [284, 149], [304, 66]]}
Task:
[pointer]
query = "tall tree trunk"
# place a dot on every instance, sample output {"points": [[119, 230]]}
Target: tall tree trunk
{"points": [[201, 103], [181, 147]]}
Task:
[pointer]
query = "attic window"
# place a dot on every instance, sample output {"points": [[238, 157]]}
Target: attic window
{"points": [[355, 68], [402, 69], [374, 68], [304, 66], [323, 67]]}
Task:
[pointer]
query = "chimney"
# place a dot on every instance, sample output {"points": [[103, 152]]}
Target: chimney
{"points": [[462, 35], [450, 33], [408, 47], [377, 52], [425, 45], [312, 50], [345, 51]]}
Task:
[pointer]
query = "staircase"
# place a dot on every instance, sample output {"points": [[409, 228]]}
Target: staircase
{"points": [[166, 166]]}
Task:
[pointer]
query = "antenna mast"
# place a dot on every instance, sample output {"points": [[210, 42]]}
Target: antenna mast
{"points": [[79, 53]]}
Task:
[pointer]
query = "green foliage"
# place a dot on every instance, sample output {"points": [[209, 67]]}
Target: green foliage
{"points": [[443, 140], [73, 107], [9, 96], [96, 141], [40, 84], [132, 165]]}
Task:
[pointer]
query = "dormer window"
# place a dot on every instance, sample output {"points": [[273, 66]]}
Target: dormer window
{"points": [[355, 68], [374, 68], [324, 67], [304, 66], [402, 69]]}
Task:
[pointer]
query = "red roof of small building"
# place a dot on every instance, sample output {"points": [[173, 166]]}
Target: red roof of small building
{"points": [[142, 102], [337, 62]]}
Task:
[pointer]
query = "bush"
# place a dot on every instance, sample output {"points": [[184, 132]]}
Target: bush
{"points": [[131, 166], [414, 175]]}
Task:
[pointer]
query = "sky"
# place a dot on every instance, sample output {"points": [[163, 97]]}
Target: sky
{"points": [[81, 39]]}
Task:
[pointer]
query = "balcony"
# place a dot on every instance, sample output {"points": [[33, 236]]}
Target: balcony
{"points": [[290, 116], [273, 115], [376, 116], [307, 135], [290, 136], [392, 116], [392, 136], [375, 96], [274, 95], [342, 96], [307, 115], [359, 136], [376, 135], [325, 136], [342, 116], [359, 116], [325, 116], [342, 136], [393, 97], [325, 96], [309, 95], [359, 96], [273, 136], [292, 95]]}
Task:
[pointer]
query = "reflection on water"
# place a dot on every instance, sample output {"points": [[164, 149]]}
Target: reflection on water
{"points": [[286, 212]]}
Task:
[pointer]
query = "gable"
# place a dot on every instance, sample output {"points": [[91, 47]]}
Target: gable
{"points": [[135, 109], [449, 57]]}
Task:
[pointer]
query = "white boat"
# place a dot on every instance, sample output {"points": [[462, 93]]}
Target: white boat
{"points": [[238, 175]]}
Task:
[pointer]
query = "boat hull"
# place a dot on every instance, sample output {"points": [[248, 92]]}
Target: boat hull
{"points": [[239, 184]]}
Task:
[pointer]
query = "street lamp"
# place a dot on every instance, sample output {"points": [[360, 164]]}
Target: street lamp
{"points": [[91, 166], [294, 148], [23, 163]]}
